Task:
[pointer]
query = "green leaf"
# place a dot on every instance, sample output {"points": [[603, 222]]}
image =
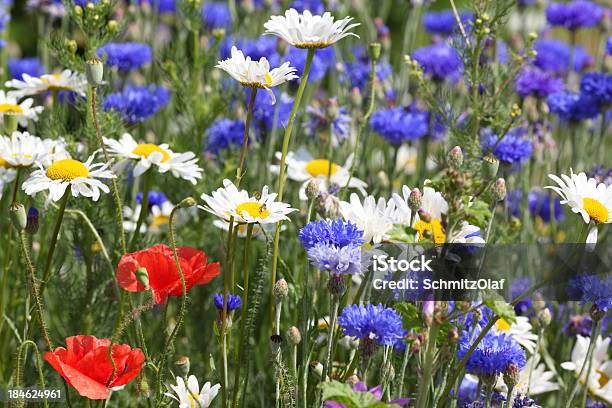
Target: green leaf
{"points": [[344, 394], [501, 308], [410, 315], [401, 233], [478, 213]]}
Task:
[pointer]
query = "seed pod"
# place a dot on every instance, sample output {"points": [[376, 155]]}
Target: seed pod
{"points": [[281, 290], [374, 50], [294, 336], [18, 216], [94, 70], [490, 165]]}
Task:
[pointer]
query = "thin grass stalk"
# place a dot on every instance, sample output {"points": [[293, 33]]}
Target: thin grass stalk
{"points": [[53, 243], [245, 141]]}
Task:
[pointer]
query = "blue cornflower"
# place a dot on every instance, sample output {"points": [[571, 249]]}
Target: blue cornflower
{"points": [[609, 46], [512, 149], [602, 174], [539, 205], [579, 325], [537, 82], [598, 85], [163, 6], [575, 14], [336, 260], [83, 3], [314, 6], [443, 22], [156, 198], [233, 301], [137, 103], [554, 55], [593, 289], [518, 287], [572, 106], [375, 322], [398, 125], [492, 355], [441, 61], [264, 111], [324, 59], [358, 71], [223, 134], [523, 401], [31, 66], [319, 119], [216, 15], [126, 56], [331, 232]]}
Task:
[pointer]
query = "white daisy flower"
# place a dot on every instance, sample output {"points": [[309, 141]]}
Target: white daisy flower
{"points": [[67, 80], [406, 161], [430, 224], [542, 381], [302, 167], [181, 165], [592, 200], [309, 31], [601, 366], [22, 111], [157, 219], [374, 217], [256, 74], [23, 149], [228, 201], [190, 395], [81, 178], [466, 234], [520, 331]]}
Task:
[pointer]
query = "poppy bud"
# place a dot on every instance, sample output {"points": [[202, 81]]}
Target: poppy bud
{"points": [[182, 365], [18, 216], [499, 190], [511, 375], [374, 50], [32, 222], [281, 290], [312, 189], [490, 165], [143, 276], [455, 157], [10, 123], [294, 336], [336, 285], [94, 70], [415, 199], [187, 202]]}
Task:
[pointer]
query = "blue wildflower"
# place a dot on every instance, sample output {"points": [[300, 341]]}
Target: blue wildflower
{"points": [[233, 301], [216, 15], [314, 6], [336, 260], [573, 106], [441, 61], [513, 148], [579, 325], [554, 55], [443, 22], [598, 85], [602, 174], [523, 401], [537, 82], [358, 71], [31, 66], [375, 322], [137, 103], [593, 289], [323, 60], [319, 119], [126, 56], [330, 232], [539, 205], [492, 355], [163, 6], [223, 134], [155, 198], [575, 14], [264, 111], [517, 288], [398, 125], [83, 3], [609, 46]]}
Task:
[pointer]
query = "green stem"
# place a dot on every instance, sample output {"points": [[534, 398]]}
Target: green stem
{"points": [[144, 206], [423, 393], [586, 363], [327, 367], [281, 174], [53, 243], [245, 140], [226, 284]]}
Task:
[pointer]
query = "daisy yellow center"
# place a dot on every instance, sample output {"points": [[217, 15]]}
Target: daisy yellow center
{"points": [[67, 170], [10, 108], [502, 325], [160, 220], [254, 209], [432, 230], [321, 167], [603, 378], [268, 79], [145, 150], [596, 210], [4, 163], [55, 87]]}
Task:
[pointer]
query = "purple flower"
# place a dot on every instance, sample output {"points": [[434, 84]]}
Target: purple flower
{"points": [[323, 60], [537, 82], [554, 55], [592, 289], [216, 15], [331, 232], [575, 14], [375, 322], [376, 392], [539, 205], [264, 111], [398, 125], [314, 6], [31, 66], [492, 355], [223, 134], [572, 106], [163, 6], [441, 61], [137, 103], [579, 325], [513, 148], [602, 174], [609, 46], [358, 71], [598, 85], [155, 198], [126, 56], [443, 22], [320, 120], [336, 260], [233, 301]]}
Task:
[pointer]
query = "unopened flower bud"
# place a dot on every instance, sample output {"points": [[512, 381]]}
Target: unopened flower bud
{"points": [[187, 202], [71, 46], [356, 97], [143, 386], [415, 199], [453, 334], [112, 26], [218, 33], [18, 216], [312, 189], [328, 205], [455, 157], [490, 165], [336, 285], [512, 375], [499, 190], [32, 222], [94, 70], [281, 290], [415, 346], [78, 10], [275, 343], [294, 336], [533, 36], [544, 317], [316, 368], [143, 277], [374, 50], [182, 365], [597, 313], [538, 301], [90, 6]]}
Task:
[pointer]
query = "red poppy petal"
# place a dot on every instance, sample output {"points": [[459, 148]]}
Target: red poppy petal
{"points": [[84, 385], [131, 368], [125, 273]]}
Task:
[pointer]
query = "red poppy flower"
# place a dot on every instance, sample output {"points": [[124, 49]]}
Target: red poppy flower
{"points": [[86, 366], [164, 278]]}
